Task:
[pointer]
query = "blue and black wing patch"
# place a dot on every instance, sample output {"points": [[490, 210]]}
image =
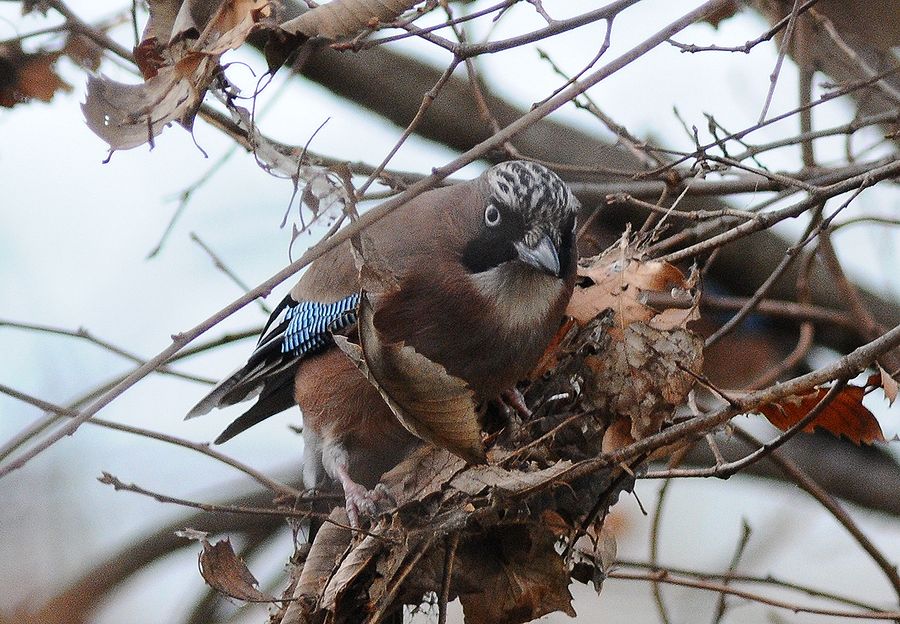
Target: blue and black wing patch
{"points": [[295, 330], [310, 324]]}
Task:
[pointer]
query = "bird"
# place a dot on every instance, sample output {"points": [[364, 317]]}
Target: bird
{"points": [[483, 270]]}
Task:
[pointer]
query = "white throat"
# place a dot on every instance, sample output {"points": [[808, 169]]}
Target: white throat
{"points": [[522, 296]]}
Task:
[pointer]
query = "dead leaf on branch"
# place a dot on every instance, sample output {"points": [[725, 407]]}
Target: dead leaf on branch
{"points": [[480, 478], [432, 404], [888, 384], [346, 18], [225, 572], [644, 359], [520, 576], [83, 51], [330, 546], [372, 564], [178, 70], [506, 566], [844, 416], [28, 76], [424, 473], [634, 289]]}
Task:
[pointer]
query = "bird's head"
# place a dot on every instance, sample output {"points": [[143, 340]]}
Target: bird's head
{"points": [[528, 217]]}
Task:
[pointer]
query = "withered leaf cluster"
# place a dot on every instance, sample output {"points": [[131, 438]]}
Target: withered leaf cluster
{"points": [[179, 57], [180, 50], [647, 359]]}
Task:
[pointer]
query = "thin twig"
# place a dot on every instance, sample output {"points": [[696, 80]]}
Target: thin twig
{"points": [[747, 46], [449, 556], [219, 264], [284, 512], [663, 577], [792, 470], [805, 339], [779, 308], [724, 471], [83, 334], [782, 51], [397, 581], [748, 578], [867, 326], [827, 97], [654, 550], [722, 605], [789, 256], [204, 449], [844, 367], [768, 219]]}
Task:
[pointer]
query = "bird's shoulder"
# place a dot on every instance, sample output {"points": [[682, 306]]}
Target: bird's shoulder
{"points": [[418, 236]]}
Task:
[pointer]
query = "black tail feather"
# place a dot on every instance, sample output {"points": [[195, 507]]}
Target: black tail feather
{"points": [[276, 396]]}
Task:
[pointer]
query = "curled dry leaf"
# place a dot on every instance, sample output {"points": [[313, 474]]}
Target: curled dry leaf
{"points": [[423, 473], [844, 416], [479, 478], [28, 76], [225, 572], [519, 574], [179, 67], [636, 290], [329, 546], [346, 18], [647, 360], [432, 404], [83, 51], [888, 384], [373, 563]]}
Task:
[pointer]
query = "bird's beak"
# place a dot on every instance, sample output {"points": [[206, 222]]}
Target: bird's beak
{"points": [[542, 256]]}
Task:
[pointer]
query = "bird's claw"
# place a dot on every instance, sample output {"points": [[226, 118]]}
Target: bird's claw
{"points": [[362, 503], [514, 399]]}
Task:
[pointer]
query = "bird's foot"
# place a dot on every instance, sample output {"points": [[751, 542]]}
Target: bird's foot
{"points": [[362, 503], [514, 399]]}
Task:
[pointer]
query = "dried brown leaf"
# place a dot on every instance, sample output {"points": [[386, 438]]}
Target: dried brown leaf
{"points": [[150, 58], [888, 384], [617, 435], [619, 280], [644, 360], [519, 574], [844, 416], [128, 115], [346, 18], [432, 404], [373, 564], [480, 478], [644, 375], [425, 472], [83, 51], [225, 572], [325, 553], [28, 76]]}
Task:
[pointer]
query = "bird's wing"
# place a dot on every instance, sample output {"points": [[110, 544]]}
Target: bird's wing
{"points": [[295, 330]]}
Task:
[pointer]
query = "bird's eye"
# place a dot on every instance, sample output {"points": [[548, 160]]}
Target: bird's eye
{"points": [[491, 216]]}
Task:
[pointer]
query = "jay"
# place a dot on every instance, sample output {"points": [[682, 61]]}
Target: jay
{"points": [[485, 269]]}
